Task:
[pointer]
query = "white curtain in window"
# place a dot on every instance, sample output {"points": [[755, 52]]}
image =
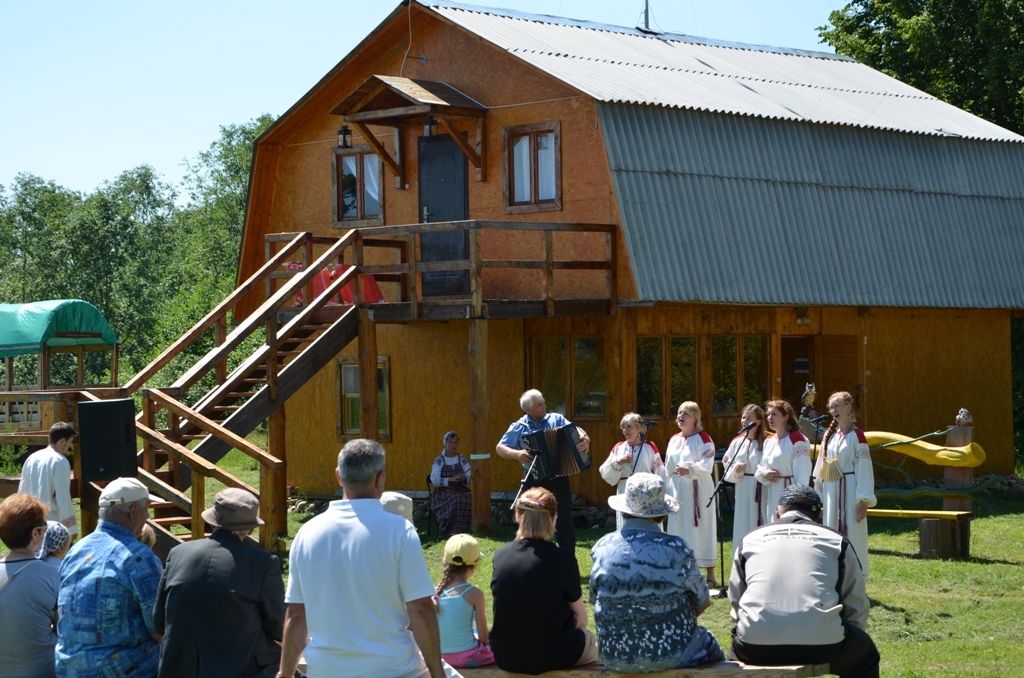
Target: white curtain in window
{"points": [[371, 185], [521, 162], [546, 166]]}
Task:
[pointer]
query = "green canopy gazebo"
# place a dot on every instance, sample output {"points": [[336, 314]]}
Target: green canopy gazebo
{"points": [[55, 326]]}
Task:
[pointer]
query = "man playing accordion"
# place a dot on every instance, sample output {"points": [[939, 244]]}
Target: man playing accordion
{"points": [[536, 418]]}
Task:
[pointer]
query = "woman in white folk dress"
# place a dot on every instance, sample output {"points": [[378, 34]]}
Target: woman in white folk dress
{"points": [[689, 461], [744, 454], [632, 455], [787, 456], [844, 477]]}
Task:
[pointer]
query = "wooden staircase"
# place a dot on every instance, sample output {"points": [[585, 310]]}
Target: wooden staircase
{"points": [[182, 444]]}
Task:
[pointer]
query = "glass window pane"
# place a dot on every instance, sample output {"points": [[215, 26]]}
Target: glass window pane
{"points": [[755, 370], [683, 357], [588, 378], [371, 185], [723, 374], [521, 176], [352, 407], [546, 166], [551, 372], [350, 187], [649, 381], [350, 379]]}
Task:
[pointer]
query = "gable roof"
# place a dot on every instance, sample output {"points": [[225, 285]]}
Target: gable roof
{"points": [[624, 65]]}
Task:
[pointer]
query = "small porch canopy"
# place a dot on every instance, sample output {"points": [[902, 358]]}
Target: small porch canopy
{"points": [[393, 102]]}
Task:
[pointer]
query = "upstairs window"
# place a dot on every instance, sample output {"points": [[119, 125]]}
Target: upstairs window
{"points": [[357, 182], [533, 168], [350, 404]]}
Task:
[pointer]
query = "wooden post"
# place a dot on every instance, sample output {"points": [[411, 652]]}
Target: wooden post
{"points": [[113, 365], [481, 444], [276, 442], [307, 258], [369, 407], [481, 148], [148, 416], [9, 375], [272, 509], [957, 479], [90, 508], [479, 441], [775, 355], [44, 368], [272, 357], [80, 364], [198, 505], [400, 177], [548, 281]]}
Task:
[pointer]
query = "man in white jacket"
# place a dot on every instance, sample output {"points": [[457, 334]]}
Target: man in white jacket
{"points": [[46, 474], [798, 595]]}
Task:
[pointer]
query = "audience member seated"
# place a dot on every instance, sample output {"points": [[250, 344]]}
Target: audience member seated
{"points": [[798, 595], [28, 591], [220, 604], [108, 584], [540, 621], [451, 501], [358, 587], [646, 588], [56, 543], [460, 604]]}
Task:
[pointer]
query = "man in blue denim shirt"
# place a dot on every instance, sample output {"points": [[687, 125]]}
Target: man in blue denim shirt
{"points": [[537, 418], [108, 585], [646, 588]]}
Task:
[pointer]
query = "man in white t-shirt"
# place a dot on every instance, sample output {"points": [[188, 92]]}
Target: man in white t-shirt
{"points": [[46, 474], [358, 585]]}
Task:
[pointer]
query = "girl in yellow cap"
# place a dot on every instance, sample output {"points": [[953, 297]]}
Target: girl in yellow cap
{"points": [[458, 602]]}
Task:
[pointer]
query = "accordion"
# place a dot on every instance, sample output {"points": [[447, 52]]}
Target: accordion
{"points": [[556, 453]]}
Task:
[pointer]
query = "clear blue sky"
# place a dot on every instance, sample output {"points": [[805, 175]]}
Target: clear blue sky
{"points": [[90, 89]]}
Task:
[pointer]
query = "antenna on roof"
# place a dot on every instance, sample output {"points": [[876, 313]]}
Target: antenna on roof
{"points": [[646, 28]]}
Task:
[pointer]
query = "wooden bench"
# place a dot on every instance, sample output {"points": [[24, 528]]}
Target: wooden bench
{"points": [[719, 670], [941, 534]]}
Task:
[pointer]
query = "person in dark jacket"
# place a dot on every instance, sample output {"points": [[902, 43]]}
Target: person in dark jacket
{"points": [[220, 604]]}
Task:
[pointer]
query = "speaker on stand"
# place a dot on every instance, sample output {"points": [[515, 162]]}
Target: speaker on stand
{"points": [[106, 439]]}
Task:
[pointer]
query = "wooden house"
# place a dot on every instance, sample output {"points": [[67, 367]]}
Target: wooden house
{"points": [[626, 220]]}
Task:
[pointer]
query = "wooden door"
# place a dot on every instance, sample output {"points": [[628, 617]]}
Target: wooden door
{"points": [[444, 196], [840, 367]]}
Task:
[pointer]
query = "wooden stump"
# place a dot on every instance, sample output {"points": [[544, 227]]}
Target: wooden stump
{"points": [[944, 539]]}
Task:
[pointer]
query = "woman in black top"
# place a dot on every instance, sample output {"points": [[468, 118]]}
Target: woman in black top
{"points": [[540, 621]]}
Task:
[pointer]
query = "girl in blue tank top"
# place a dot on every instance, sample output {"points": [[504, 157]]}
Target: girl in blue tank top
{"points": [[458, 602]]}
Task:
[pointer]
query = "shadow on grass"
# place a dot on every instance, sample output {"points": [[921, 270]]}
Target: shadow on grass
{"points": [[916, 556]]}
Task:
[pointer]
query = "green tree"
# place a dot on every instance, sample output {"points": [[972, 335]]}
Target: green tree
{"points": [[969, 53]]}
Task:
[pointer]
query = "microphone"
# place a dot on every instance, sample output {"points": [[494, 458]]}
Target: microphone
{"points": [[648, 424], [747, 427], [820, 419]]}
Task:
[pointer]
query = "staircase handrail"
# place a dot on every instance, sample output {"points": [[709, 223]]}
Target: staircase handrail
{"points": [[220, 311], [214, 428], [266, 310]]}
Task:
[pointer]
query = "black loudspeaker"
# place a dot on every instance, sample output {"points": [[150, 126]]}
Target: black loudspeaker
{"points": [[106, 439]]}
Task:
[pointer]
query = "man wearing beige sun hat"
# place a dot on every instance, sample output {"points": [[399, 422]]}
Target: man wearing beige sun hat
{"points": [[220, 604], [646, 588]]}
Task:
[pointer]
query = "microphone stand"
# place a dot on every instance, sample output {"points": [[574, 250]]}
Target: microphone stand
{"points": [[522, 483], [718, 511]]}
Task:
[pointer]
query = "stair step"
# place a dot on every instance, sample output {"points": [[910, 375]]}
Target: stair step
{"points": [[172, 520], [240, 394], [188, 537], [288, 353], [225, 408], [193, 436], [254, 381], [157, 505]]}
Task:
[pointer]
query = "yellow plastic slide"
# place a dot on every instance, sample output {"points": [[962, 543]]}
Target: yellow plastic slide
{"points": [[967, 456]]}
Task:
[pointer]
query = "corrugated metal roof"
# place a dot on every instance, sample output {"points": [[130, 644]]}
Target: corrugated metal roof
{"points": [[744, 210], [614, 64]]}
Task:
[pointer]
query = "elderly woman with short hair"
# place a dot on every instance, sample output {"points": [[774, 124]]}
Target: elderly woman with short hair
{"points": [[451, 501], [28, 591], [540, 621]]}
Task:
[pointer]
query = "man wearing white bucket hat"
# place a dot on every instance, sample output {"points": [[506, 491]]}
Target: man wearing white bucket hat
{"points": [[646, 588]]}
